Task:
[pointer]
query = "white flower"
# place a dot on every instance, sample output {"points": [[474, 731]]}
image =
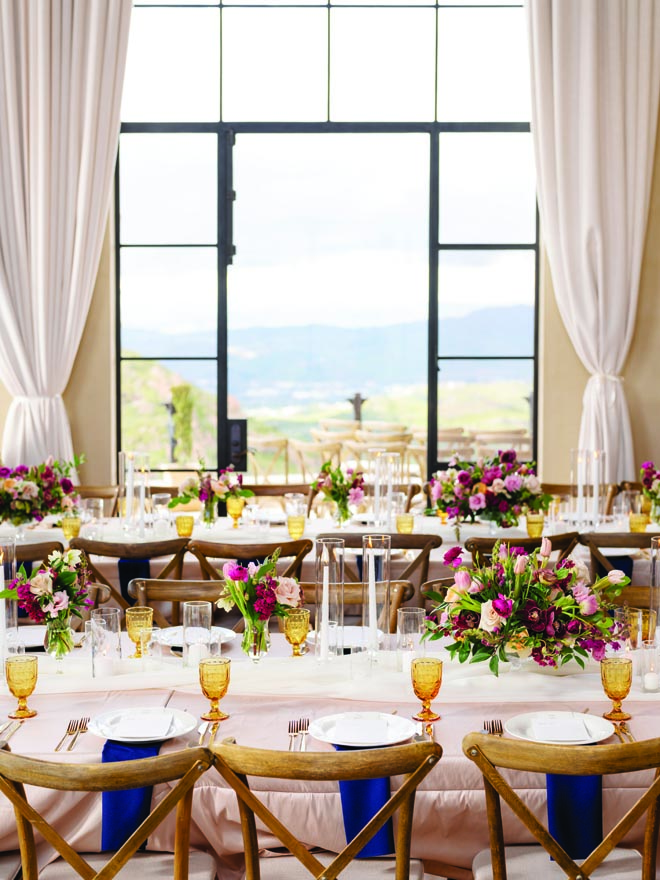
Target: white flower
{"points": [[497, 486], [41, 584], [70, 557], [225, 602], [532, 484]]}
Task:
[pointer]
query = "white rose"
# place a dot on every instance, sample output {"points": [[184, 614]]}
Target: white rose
{"points": [[533, 484], [41, 584], [490, 619]]}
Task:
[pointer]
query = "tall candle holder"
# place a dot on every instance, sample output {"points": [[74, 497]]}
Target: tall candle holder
{"points": [[376, 550], [386, 476], [134, 493], [329, 625], [8, 607], [588, 487]]}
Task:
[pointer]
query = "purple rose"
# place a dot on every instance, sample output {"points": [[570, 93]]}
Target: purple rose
{"points": [[477, 501], [512, 483], [503, 506], [67, 485], [464, 478], [508, 457], [492, 473]]}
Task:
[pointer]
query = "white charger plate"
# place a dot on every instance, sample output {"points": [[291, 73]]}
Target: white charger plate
{"points": [[521, 727], [105, 724], [398, 729], [354, 636], [172, 636]]}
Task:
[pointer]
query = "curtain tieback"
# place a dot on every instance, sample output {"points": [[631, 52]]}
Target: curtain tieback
{"points": [[607, 377]]}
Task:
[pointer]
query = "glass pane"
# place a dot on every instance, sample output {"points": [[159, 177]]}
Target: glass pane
{"points": [[274, 64], [331, 232], [169, 302], [483, 66], [486, 289], [167, 188], [487, 188], [492, 401], [148, 388], [173, 66], [382, 64]]}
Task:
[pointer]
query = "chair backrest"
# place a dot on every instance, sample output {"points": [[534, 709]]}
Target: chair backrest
{"points": [[417, 570], [109, 494], [490, 753], [598, 541], [37, 552], [400, 591], [236, 763], [175, 548], [277, 491], [482, 548], [205, 551], [150, 590], [98, 594], [186, 766]]}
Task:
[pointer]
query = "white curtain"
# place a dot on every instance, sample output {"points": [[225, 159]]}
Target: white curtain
{"points": [[61, 73], [595, 83]]}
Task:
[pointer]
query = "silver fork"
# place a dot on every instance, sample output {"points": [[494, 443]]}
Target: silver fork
{"points": [[494, 727], [71, 729], [294, 730], [303, 728], [82, 728]]}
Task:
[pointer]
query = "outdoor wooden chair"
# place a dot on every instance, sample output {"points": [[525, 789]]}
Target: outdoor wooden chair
{"points": [[400, 591], [175, 548], [417, 570], [18, 773], [236, 763], [598, 542], [205, 551], [482, 548], [152, 592], [37, 553], [490, 753]]}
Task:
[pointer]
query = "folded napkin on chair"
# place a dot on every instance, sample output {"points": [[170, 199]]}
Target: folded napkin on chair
{"points": [[124, 811], [360, 801], [575, 812]]}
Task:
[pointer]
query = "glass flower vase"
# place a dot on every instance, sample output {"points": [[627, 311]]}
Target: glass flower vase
{"points": [[256, 639], [58, 641], [655, 512], [209, 513], [341, 515]]}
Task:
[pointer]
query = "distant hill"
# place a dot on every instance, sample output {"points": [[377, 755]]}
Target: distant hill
{"points": [[279, 360]]}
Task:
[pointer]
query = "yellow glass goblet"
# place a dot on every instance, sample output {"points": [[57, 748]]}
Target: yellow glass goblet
{"points": [[70, 527], [214, 681], [405, 523], [184, 525], [21, 674], [296, 526], [138, 618], [235, 508], [534, 523], [616, 676], [426, 675], [296, 627]]}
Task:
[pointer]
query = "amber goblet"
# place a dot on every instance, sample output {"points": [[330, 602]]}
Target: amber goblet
{"points": [[21, 673], [426, 675], [616, 676], [296, 628], [138, 619], [214, 681]]}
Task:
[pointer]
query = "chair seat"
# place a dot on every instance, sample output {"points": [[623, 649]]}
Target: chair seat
{"points": [[523, 862], [146, 866], [289, 868]]}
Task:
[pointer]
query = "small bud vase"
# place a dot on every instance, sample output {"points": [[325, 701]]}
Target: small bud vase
{"points": [[256, 639], [209, 513], [58, 641]]}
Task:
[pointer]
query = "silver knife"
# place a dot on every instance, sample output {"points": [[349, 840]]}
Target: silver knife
{"points": [[9, 732]]}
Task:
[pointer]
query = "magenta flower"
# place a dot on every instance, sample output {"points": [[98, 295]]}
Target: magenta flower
{"points": [[477, 501], [234, 572], [502, 605], [512, 482], [453, 557]]}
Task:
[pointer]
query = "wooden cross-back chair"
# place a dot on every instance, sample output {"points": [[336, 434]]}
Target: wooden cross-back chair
{"points": [[482, 548], [490, 753], [236, 763], [597, 542], [175, 548], [205, 551], [109, 494], [186, 766], [148, 591], [277, 491], [400, 591], [417, 570]]}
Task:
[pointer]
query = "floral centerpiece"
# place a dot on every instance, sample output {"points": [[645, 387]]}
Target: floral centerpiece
{"points": [[209, 490], [52, 595], [31, 493], [496, 489], [650, 478], [343, 488], [259, 593], [519, 606]]}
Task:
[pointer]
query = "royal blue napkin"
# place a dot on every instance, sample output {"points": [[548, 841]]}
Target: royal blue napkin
{"points": [[360, 801], [622, 563], [575, 812], [129, 569], [124, 811]]}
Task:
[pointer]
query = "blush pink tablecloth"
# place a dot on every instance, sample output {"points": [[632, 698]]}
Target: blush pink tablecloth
{"points": [[450, 820]]}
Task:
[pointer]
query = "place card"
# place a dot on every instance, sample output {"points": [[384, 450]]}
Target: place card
{"points": [[143, 725], [559, 727]]}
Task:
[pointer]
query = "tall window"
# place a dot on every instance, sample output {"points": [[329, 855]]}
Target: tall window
{"points": [[318, 201]]}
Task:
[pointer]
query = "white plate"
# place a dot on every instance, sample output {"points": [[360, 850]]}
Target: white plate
{"points": [[520, 726], [33, 635], [105, 724], [397, 729], [172, 636], [354, 636]]}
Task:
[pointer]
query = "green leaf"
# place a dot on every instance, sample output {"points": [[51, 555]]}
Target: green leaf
{"points": [[494, 665]]}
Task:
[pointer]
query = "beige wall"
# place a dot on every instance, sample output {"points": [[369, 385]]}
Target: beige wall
{"points": [[563, 378], [90, 400]]}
